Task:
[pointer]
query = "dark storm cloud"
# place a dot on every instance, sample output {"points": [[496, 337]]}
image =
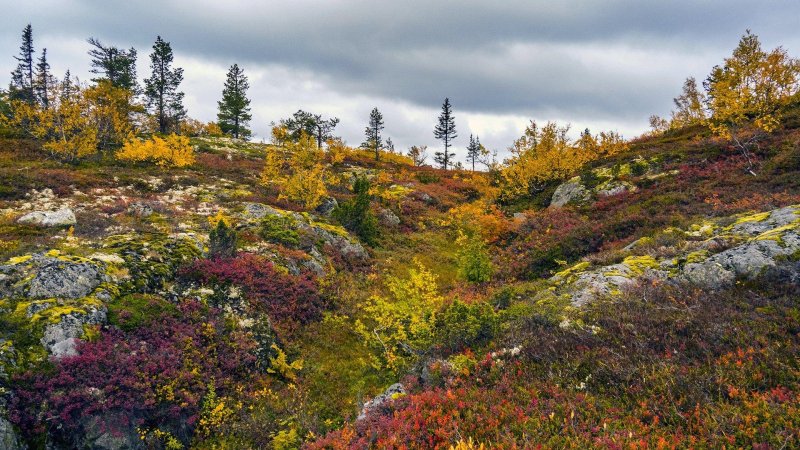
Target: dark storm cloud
{"points": [[583, 60]]}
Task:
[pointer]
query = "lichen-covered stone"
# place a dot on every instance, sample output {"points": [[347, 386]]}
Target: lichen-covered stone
{"points": [[327, 206], [60, 339], [61, 218], [614, 187], [8, 437], [43, 276], [259, 211], [62, 279], [573, 191], [392, 392], [388, 218]]}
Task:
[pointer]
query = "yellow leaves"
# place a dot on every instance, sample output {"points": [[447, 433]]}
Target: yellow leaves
{"points": [[402, 324], [109, 112], [547, 153], [751, 85], [65, 127], [468, 444], [219, 216], [215, 412], [280, 364], [172, 150], [295, 169]]}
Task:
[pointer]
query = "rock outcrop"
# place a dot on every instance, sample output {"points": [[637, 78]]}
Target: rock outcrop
{"points": [[43, 276], [61, 339], [744, 250], [8, 437]]}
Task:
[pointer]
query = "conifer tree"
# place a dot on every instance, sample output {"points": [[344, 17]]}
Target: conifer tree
{"points": [[115, 65], [161, 89], [475, 151], [311, 124], [445, 131], [43, 81], [22, 77], [373, 132], [234, 108]]}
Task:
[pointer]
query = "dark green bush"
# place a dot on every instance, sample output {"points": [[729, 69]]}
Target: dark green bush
{"points": [[222, 241], [279, 230], [461, 325], [355, 214]]}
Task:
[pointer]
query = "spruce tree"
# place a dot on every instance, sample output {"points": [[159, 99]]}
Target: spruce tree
{"points": [[445, 131], [234, 108], [373, 132], [22, 77], [115, 65], [161, 89], [43, 80], [473, 150]]}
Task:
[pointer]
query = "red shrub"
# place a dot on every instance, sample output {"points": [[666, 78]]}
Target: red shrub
{"points": [[156, 375], [282, 297]]}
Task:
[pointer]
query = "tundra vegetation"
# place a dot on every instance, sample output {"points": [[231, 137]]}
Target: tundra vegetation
{"points": [[166, 283]]}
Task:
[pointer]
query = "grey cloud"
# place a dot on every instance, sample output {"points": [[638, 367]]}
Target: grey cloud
{"points": [[586, 61]]}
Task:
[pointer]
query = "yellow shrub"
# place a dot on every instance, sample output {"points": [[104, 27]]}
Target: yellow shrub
{"points": [[295, 169], [172, 150]]}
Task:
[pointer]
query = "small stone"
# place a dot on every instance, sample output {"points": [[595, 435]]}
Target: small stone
{"points": [[388, 395], [388, 218], [327, 206], [139, 209]]}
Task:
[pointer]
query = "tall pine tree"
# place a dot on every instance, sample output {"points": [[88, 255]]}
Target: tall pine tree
{"points": [[373, 132], [445, 131], [161, 89], [115, 65], [234, 108], [43, 80], [22, 77]]}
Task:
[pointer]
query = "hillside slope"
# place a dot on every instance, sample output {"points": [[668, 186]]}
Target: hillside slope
{"points": [[650, 301]]}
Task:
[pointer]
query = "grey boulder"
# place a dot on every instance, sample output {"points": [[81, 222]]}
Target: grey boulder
{"points": [[61, 218], [61, 339], [573, 191]]}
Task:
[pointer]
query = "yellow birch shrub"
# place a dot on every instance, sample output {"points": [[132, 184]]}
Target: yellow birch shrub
{"points": [[544, 154], [65, 127], [170, 151], [295, 168], [401, 325]]}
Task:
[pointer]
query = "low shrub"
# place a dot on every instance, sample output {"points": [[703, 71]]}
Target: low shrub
{"points": [[283, 297]]}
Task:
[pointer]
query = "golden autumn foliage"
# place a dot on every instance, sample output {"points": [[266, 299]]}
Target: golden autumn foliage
{"points": [[295, 168], [172, 150], [403, 324], [751, 86], [78, 120], [65, 127], [110, 112], [547, 153]]}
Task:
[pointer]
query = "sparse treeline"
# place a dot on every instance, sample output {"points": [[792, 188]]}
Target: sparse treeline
{"points": [[75, 119], [114, 112]]}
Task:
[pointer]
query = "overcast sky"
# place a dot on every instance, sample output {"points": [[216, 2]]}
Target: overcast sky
{"points": [[605, 65]]}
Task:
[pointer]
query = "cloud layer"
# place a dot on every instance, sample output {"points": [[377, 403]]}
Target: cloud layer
{"points": [[602, 65]]}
